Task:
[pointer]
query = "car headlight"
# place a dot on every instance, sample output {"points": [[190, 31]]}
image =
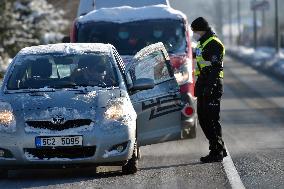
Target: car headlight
{"points": [[115, 110], [7, 118]]}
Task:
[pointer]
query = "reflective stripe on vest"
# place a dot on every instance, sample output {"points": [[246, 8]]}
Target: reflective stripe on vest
{"points": [[200, 59]]}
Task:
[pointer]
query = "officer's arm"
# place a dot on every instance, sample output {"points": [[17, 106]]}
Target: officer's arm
{"points": [[215, 56]]}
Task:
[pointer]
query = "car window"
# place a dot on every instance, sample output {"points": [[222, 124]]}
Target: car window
{"points": [[151, 66], [131, 37], [61, 71]]}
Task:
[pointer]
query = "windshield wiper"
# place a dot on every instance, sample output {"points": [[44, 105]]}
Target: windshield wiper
{"points": [[64, 85], [26, 90]]}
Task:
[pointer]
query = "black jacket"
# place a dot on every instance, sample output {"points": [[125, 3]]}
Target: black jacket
{"points": [[209, 76]]}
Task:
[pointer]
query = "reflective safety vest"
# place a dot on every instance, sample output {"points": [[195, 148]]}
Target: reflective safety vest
{"points": [[201, 63]]}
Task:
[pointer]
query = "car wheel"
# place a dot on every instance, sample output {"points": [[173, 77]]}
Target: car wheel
{"points": [[131, 167], [3, 174]]}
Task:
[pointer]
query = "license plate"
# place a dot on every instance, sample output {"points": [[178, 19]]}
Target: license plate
{"points": [[58, 141]]}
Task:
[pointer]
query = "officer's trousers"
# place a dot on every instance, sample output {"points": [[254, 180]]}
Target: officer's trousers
{"points": [[208, 110]]}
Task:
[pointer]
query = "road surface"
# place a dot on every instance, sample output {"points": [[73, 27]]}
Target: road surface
{"points": [[253, 129]]}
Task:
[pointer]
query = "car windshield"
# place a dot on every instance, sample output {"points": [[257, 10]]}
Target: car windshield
{"points": [[129, 38], [62, 71]]}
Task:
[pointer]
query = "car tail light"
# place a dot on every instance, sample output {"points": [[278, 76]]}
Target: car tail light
{"points": [[188, 111], [183, 73]]}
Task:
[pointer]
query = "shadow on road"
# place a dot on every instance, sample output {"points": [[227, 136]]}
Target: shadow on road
{"points": [[171, 166]]}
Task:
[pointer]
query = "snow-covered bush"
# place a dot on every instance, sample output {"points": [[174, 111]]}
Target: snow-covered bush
{"points": [[28, 22]]}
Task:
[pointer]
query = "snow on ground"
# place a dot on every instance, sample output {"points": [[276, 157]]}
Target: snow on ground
{"points": [[130, 14], [262, 58]]}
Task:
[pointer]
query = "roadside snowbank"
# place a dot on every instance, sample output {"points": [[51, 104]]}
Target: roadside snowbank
{"points": [[263, 58]]}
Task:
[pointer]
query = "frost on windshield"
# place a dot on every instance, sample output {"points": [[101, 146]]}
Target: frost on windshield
{"points": [[7, 118]]}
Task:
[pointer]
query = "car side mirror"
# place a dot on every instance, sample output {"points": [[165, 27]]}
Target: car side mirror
{"points": [[143, 84]]}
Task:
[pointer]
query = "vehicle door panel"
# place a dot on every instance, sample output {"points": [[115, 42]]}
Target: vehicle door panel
{"points": [[158, 109]]}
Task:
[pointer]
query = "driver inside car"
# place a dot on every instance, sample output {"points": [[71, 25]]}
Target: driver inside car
{"points": [[91, 71]]}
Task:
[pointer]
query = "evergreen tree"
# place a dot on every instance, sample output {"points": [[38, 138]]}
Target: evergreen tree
{"points": [[28, 22]]}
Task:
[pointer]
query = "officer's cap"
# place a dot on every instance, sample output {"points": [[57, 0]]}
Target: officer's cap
{"points": [[200, 24]]}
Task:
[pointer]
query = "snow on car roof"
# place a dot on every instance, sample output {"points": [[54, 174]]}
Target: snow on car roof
{"points": [[67, 48], [128, 14], [115, 3]]}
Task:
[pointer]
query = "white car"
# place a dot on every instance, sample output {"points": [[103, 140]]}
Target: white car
{"points": [[76, 104]]}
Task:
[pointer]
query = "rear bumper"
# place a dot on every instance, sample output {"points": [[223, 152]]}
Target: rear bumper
{"points": [[188, 124]]}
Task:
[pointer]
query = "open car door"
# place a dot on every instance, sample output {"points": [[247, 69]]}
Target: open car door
{"points": [[158, 109]]}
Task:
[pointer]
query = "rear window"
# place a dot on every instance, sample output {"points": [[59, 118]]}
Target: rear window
{"points": [[129, 38]]}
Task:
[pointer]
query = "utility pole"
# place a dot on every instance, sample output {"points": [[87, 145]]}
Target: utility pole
{"points": [[230, 22], [263, 23], [239, 22], [277, 33], [254, 29], [219, 16]]}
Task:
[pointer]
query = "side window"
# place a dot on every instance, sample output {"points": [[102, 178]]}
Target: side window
{"points": [[152, 66]]}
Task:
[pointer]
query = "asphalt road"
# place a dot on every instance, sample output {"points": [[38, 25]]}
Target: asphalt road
{"points": [[253, 129]]}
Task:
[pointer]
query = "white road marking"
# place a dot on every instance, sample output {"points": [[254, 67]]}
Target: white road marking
{"points": [[232, 173]]}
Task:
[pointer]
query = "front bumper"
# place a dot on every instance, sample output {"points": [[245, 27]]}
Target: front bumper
{"points": [[100, 139]]}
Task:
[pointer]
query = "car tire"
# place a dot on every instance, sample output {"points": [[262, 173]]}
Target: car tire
{"points": [[3, 173], [131, 167]]}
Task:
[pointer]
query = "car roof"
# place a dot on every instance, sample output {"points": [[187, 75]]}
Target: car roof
{"points": [[67, 48], [129, 14], [86, 6], [115, 3]]}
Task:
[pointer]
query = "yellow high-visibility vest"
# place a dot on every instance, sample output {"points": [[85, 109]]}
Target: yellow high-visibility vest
{"points": [[200, 60]]}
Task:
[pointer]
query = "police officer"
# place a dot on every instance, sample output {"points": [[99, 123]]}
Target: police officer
{"points": [[209, 55]]}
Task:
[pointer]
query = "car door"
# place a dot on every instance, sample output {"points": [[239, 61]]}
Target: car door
{"points": [[158, 109]]}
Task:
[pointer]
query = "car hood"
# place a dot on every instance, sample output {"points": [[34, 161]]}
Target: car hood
{"points": [[66, 103]]}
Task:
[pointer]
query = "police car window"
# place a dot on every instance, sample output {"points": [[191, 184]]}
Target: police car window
{"points": [[152, 66]]}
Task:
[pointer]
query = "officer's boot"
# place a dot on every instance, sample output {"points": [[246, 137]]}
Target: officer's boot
{"points": [[215, 154], [212, 157]]}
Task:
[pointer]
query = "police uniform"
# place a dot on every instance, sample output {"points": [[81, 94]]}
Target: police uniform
{"points": [[209, 55]]}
